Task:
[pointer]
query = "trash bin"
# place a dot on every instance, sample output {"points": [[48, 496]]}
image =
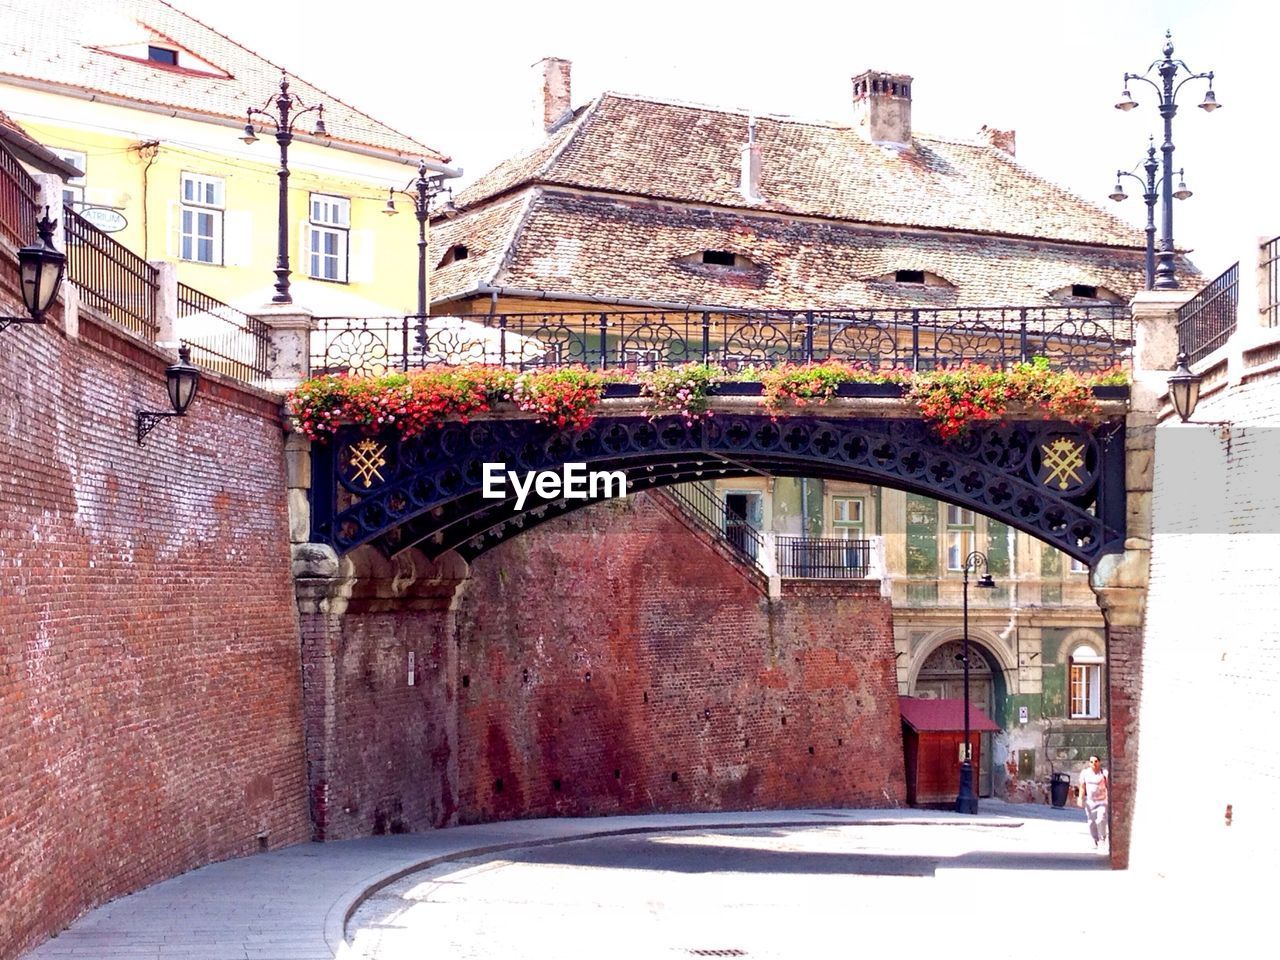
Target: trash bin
{"points": [[1059, 788]]}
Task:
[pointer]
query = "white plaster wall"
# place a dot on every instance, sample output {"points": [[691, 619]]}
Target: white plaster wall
{"points": [[1210, 714]]}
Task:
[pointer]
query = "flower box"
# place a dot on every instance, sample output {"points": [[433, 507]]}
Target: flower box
{"points": [[870, 390], [735, 389], [622, 391]]}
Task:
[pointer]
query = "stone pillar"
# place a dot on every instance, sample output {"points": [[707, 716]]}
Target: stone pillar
{"points": [[289, 354], [166, 303], [1120, 580], [322, 585]]}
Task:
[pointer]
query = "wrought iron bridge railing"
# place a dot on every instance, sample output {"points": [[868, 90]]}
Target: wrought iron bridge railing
{"points": [[710, 511], [1071, 337], [110, 277], [1209, 318], [825, 558], [18, 194], [221, 337]]}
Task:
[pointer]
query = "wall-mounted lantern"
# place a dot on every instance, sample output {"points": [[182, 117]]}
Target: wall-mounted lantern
{"points": [[41, 266], [182, 380], [1184, 389]]}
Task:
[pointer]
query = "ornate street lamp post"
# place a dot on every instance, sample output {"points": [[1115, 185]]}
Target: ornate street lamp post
{"points": [[288, 111], [421, 190], [966, 799], [1149, 196], [1167, 91]]}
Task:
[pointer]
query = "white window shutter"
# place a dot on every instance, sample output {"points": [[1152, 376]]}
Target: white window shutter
{"points": [[360, 268], [237, 237], [173, 231], [302, 267]]}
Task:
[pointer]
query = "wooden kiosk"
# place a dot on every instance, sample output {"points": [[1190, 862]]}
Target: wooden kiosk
{"points": [[932, 731]]}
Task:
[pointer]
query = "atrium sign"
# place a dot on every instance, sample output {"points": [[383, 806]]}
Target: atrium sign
{"points": [[105, 218], [573, 482]]}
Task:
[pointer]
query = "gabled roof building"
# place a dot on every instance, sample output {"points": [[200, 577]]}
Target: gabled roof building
{"points": [[633, 200], [147, 106]]}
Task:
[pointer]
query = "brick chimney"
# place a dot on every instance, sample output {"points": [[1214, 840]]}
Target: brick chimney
{"points": [[882, 107], [750, 185], [1005, 140], [553, 103]]}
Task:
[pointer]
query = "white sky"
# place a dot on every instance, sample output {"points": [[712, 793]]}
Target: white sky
{"points": [[456, 76]]}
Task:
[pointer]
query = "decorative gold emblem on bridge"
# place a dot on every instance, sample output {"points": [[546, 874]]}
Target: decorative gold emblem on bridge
{"points": [[366, 457], [1063, 460]]}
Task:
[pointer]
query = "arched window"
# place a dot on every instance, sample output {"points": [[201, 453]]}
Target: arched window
{"points": [[1086, 683]]}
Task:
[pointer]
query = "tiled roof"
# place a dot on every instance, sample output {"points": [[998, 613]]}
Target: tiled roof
{"points": [[608, 248], [70, 43], [30, 151], [943, 715], [488, 233], [630, 145]]}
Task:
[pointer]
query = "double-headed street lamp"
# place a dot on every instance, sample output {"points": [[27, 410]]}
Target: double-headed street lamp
{"points": [[288, 111], [421, 190], [966, 799], [1167, 91], [1150, 192]]}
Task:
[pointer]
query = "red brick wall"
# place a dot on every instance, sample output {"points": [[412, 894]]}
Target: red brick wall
{"points": [[149, 710], [379, 751], [614, 662]]}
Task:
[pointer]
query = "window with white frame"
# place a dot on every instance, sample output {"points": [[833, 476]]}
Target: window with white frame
{"points": [[200, 218], [960, 532], [1086, 683], [846, 517], [73, 187], [329, 238]]}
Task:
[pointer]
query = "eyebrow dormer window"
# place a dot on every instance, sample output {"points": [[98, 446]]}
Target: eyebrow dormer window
{"points": [[909, 276], [1087, 291], [719, 258], [455, 253], [162, 55]]}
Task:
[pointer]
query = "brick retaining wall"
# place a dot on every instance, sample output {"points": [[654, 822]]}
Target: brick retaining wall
{"points": [[615, 662], [149, 712]]}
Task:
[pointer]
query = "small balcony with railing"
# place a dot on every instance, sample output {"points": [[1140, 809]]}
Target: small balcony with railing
{"points": [[775, 556]]}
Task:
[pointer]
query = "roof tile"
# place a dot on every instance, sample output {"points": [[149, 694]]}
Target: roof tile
{"points": [[637, 146], [627, 248]]}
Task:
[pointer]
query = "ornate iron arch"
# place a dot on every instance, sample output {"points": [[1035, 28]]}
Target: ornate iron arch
{"points": [[1060, 482]]}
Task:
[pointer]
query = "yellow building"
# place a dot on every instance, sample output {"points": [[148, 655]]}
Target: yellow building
{"points": [[151, 105]]}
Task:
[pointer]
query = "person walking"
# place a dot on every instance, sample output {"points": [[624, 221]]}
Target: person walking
{"points": [[1093, 797]]}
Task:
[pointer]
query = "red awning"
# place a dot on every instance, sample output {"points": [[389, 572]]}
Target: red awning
{"points": [[947, 715]]}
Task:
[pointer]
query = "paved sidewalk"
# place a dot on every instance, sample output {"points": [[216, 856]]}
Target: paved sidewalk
{"points": [[292, 904]]}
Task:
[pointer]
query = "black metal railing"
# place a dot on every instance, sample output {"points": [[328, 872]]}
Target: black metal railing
{"points": [[18, 201], [111, 278], [221, 337], [1209, 318], [1270, 263], [1071, 337], [824, 558], [710, 511]]}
